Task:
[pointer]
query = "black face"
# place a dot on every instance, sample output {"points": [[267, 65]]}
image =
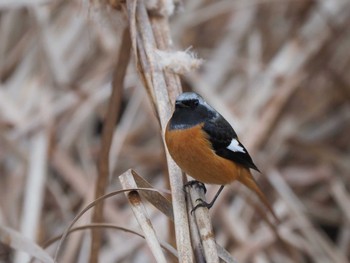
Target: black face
{"points": [[189, 113], [190, 104]]}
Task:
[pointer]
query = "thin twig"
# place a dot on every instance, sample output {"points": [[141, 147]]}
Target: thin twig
{"points": [[107, 135]]}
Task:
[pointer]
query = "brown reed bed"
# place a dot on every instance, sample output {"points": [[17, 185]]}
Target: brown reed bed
{"points": [[86, 89]]}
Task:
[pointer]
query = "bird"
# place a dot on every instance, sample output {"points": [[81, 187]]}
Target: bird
{"points": [[205, 146]]}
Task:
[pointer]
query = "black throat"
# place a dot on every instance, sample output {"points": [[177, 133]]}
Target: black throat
{"points": [[185, 118]]}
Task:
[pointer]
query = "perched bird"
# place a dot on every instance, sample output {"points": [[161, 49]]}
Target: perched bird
{"points": [[206, 147]]}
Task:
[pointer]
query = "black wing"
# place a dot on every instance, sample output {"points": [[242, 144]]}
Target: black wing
{"points": [[221, 135]]}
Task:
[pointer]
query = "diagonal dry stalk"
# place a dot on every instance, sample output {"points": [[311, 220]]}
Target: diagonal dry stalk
{"points": [[159, 86], [16, 241], [142, 217]]}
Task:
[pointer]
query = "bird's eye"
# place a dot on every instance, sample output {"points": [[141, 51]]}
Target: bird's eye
{"points": [[193, 103]]}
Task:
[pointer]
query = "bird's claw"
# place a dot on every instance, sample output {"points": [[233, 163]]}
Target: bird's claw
{"points": [[201, 204], [195, 182]]}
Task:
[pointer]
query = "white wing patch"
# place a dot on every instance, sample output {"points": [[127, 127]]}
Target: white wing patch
{"points": [[235, 147]]}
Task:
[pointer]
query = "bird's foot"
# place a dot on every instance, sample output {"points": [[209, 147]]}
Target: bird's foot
{"points": [[197, 183], [202, 204]]}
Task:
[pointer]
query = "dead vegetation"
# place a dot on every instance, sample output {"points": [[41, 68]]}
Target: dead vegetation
{"points": [[86, 89]]}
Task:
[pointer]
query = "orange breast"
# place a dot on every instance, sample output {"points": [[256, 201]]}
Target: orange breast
{"points": [[192, 151]]}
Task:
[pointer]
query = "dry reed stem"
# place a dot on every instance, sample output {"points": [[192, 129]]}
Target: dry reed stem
{"points": [[142, 218], [123, 129], [155, 82], [32, 206], [198, 250], [107, 136], [202, 217]]}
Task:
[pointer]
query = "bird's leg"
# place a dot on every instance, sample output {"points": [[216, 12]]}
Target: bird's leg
{"points": [[205, 204], [195, 182]]}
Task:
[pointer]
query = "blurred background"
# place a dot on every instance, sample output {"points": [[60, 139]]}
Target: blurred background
{"points": [[277, 70]]}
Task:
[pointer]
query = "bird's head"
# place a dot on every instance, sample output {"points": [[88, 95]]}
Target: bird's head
{"points": [[190, 110]]}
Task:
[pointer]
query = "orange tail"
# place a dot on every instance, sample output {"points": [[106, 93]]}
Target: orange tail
{"points": [[248, 180]]}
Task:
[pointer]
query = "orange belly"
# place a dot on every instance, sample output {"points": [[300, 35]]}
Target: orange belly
{"points": [[192, 151]]}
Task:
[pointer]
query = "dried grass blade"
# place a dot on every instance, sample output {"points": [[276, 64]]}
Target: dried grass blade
{"points": [[155, 198], [164, 245], [92, 204], [142, 218], [17, 241]]}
